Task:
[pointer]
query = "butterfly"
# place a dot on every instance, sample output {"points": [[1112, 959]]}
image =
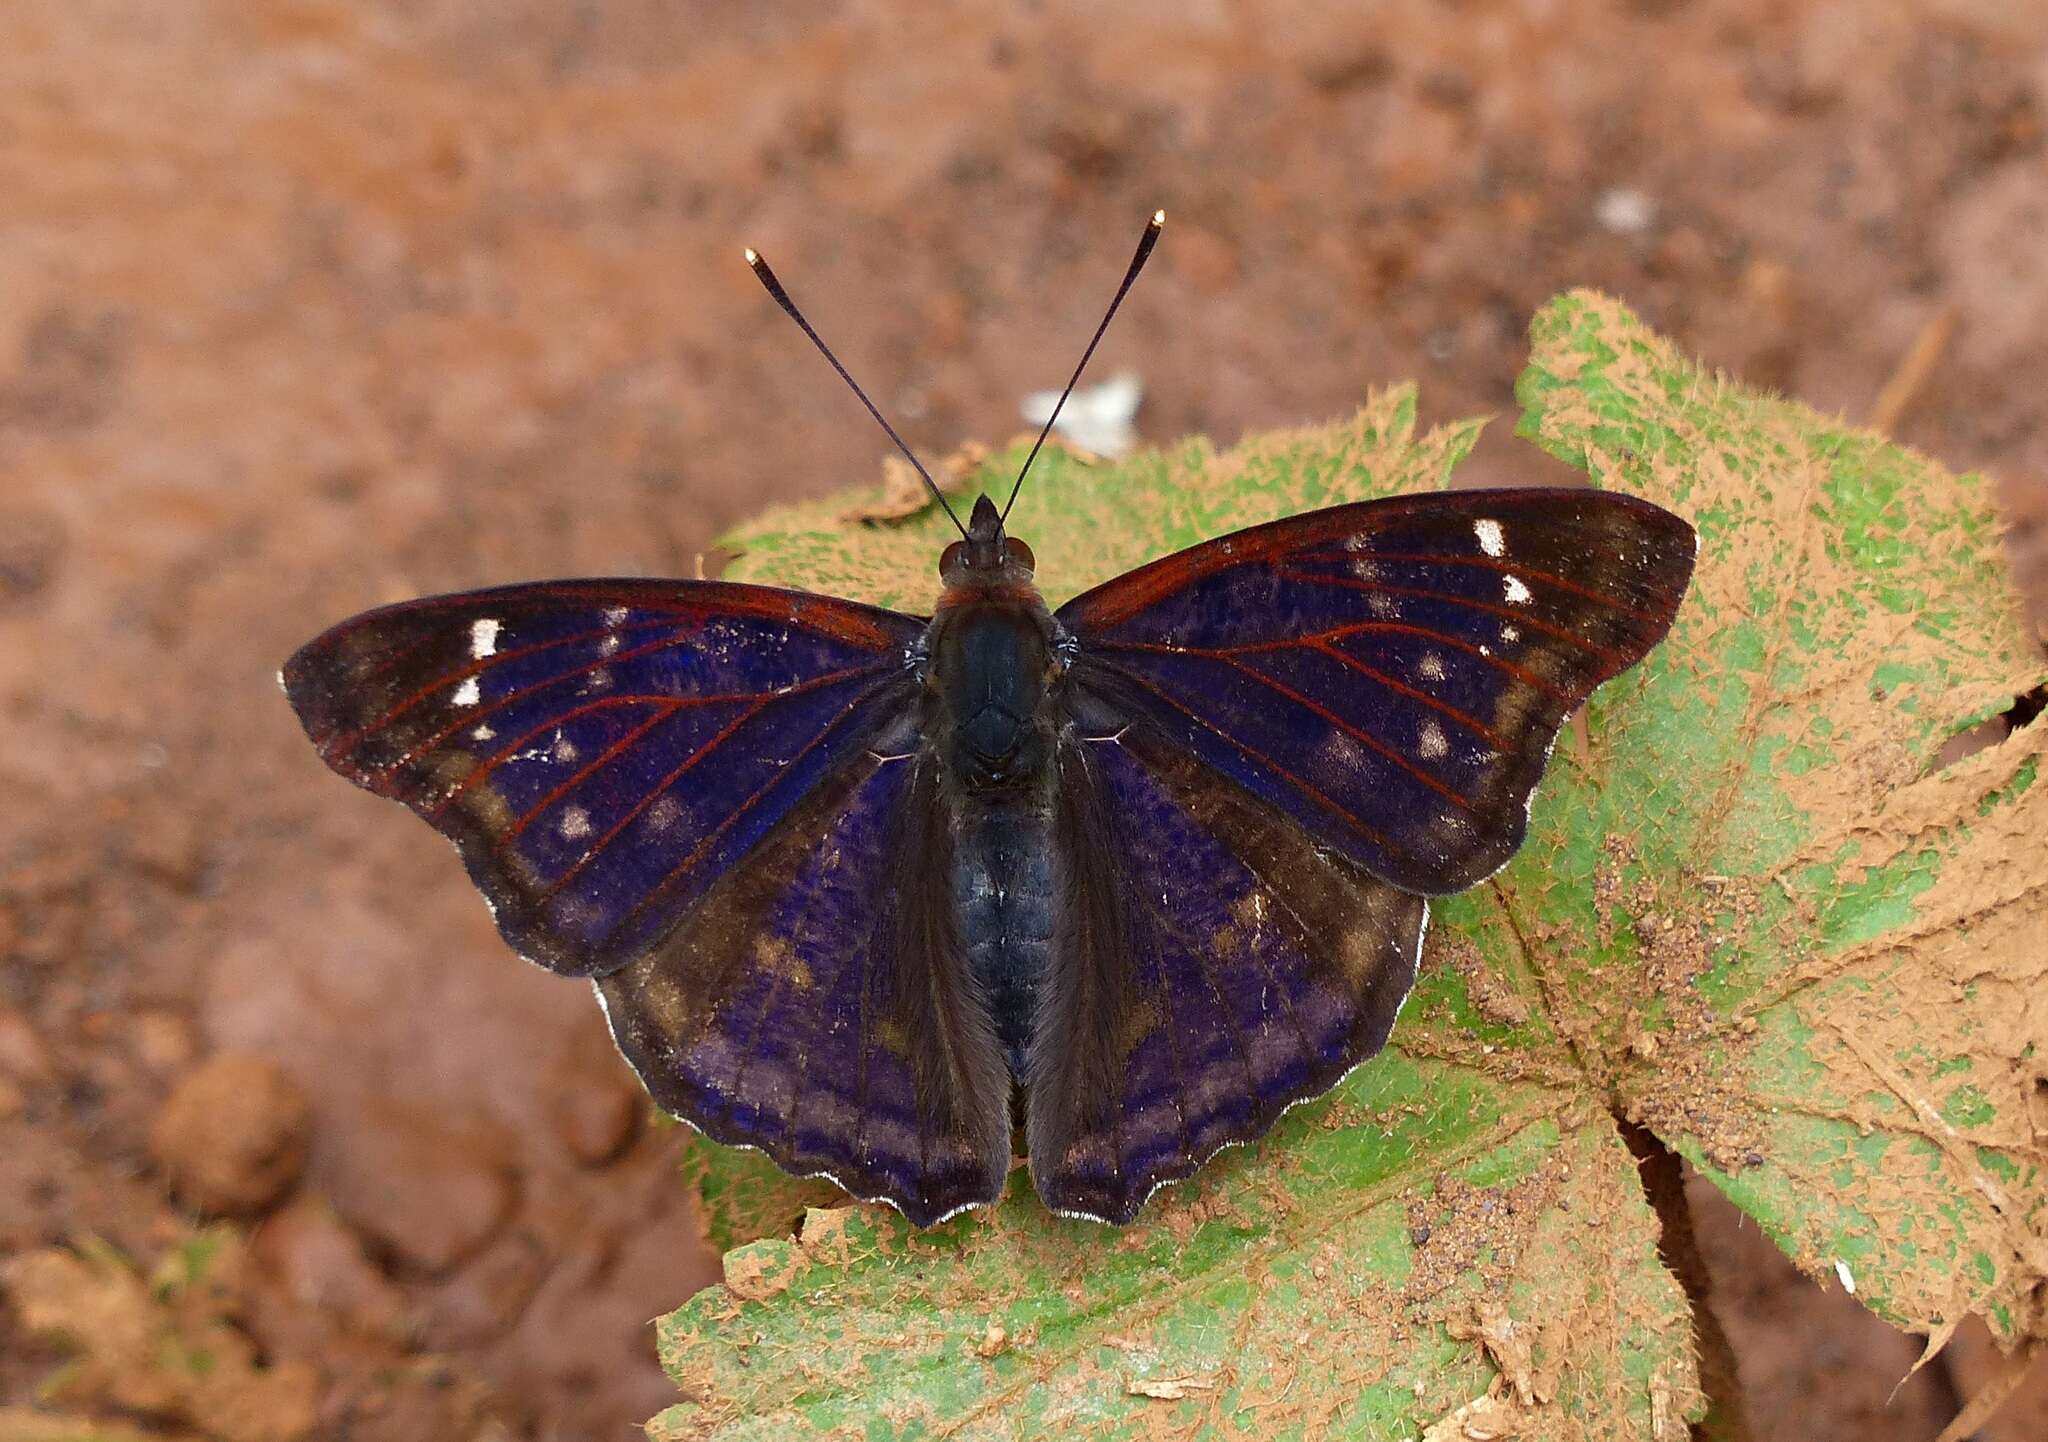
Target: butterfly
{"points": [[867, 891]]}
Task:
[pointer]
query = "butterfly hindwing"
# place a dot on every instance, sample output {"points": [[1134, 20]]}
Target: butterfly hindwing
{"points": [[1391, 674], [816, 1005], [1214, 967], [602, 751]]}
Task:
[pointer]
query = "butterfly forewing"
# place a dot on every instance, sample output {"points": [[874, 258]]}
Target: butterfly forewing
{"points": [[602, 751], [1391, 674]]}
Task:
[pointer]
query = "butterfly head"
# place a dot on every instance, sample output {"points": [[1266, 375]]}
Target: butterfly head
{"points": [[988, 559]]}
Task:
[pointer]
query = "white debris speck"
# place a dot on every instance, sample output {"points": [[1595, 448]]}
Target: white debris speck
{"points": [[468, 693], [1846, 1277], [483, 637], [1518, 594], [1096, 418], [481, 733], [1432, 743], [575, 823], [1492, 539], [615, 615], [1486, 650], [1625, 210], [1430, 667]]}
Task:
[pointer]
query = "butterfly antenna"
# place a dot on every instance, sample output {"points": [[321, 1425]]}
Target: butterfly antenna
{"points": [[782, 299], [1145, 243]]}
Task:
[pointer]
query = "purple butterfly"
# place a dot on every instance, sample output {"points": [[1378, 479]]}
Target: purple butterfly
{"points": [[862, 889]]}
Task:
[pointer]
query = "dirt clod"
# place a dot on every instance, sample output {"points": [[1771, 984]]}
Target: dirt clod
{"points": [[231, 1137], [323, 1282], [418, 1190], [597, 1115]]}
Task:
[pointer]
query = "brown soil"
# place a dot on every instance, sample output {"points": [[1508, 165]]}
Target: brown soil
{"points": [[310, 306]]}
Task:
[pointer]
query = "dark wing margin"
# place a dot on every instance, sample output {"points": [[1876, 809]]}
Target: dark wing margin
{"points": [[601, 752], [816, 1005], [1214, 966], [1391, 675]]}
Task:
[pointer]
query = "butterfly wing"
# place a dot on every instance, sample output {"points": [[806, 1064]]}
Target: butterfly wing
{"points": [[1302, 728], [1391, 674], [1214, 966], [817, 1005], [601, 751], [677, 788]]}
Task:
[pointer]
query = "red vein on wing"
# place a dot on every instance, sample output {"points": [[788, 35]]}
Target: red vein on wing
{"points": [[1397, 628], [603, 758], [1319, 645], [1307, 788], [472, 714], [1356, 733], [1520, 616], [1507, 566], [510, 750], [340, 746], [723, 734], [711, 839]]}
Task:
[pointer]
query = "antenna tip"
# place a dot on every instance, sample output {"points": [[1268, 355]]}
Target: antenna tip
{"points": [[1158, 219], [753, 257]]}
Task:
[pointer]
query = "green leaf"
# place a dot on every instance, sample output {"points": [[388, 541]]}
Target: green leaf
{"points": [[1853, 987], [1750, 915]]}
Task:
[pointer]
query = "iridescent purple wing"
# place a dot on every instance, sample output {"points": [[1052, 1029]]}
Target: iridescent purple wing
{"points": [[602, 751], [1392, 674], [679, 788], [1214, 966], [817, 1005], [1285, 738]]}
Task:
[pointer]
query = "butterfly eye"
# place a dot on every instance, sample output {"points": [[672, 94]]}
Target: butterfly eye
{"points": [[1020, 554], [953, 559]]}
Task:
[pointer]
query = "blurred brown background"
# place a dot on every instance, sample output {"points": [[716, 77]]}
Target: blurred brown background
{"points": [[306, 307]]}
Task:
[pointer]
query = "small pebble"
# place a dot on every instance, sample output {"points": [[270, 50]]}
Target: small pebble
{"points": [[1625, 211], [231, 1136]]}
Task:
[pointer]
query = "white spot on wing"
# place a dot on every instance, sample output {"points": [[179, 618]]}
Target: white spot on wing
{"points": [[1518, 594], [575, 823], [1492, 539], [481, 733], [615, 615], [564, 750], [1430, 667], [1432, 743], [483, 637], [1382, 605], [1510, 633], [468, 693], [663, 813]]}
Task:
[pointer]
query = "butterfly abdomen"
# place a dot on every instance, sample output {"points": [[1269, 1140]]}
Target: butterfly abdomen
{"points": [[1003, 887], [990, 721]]}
